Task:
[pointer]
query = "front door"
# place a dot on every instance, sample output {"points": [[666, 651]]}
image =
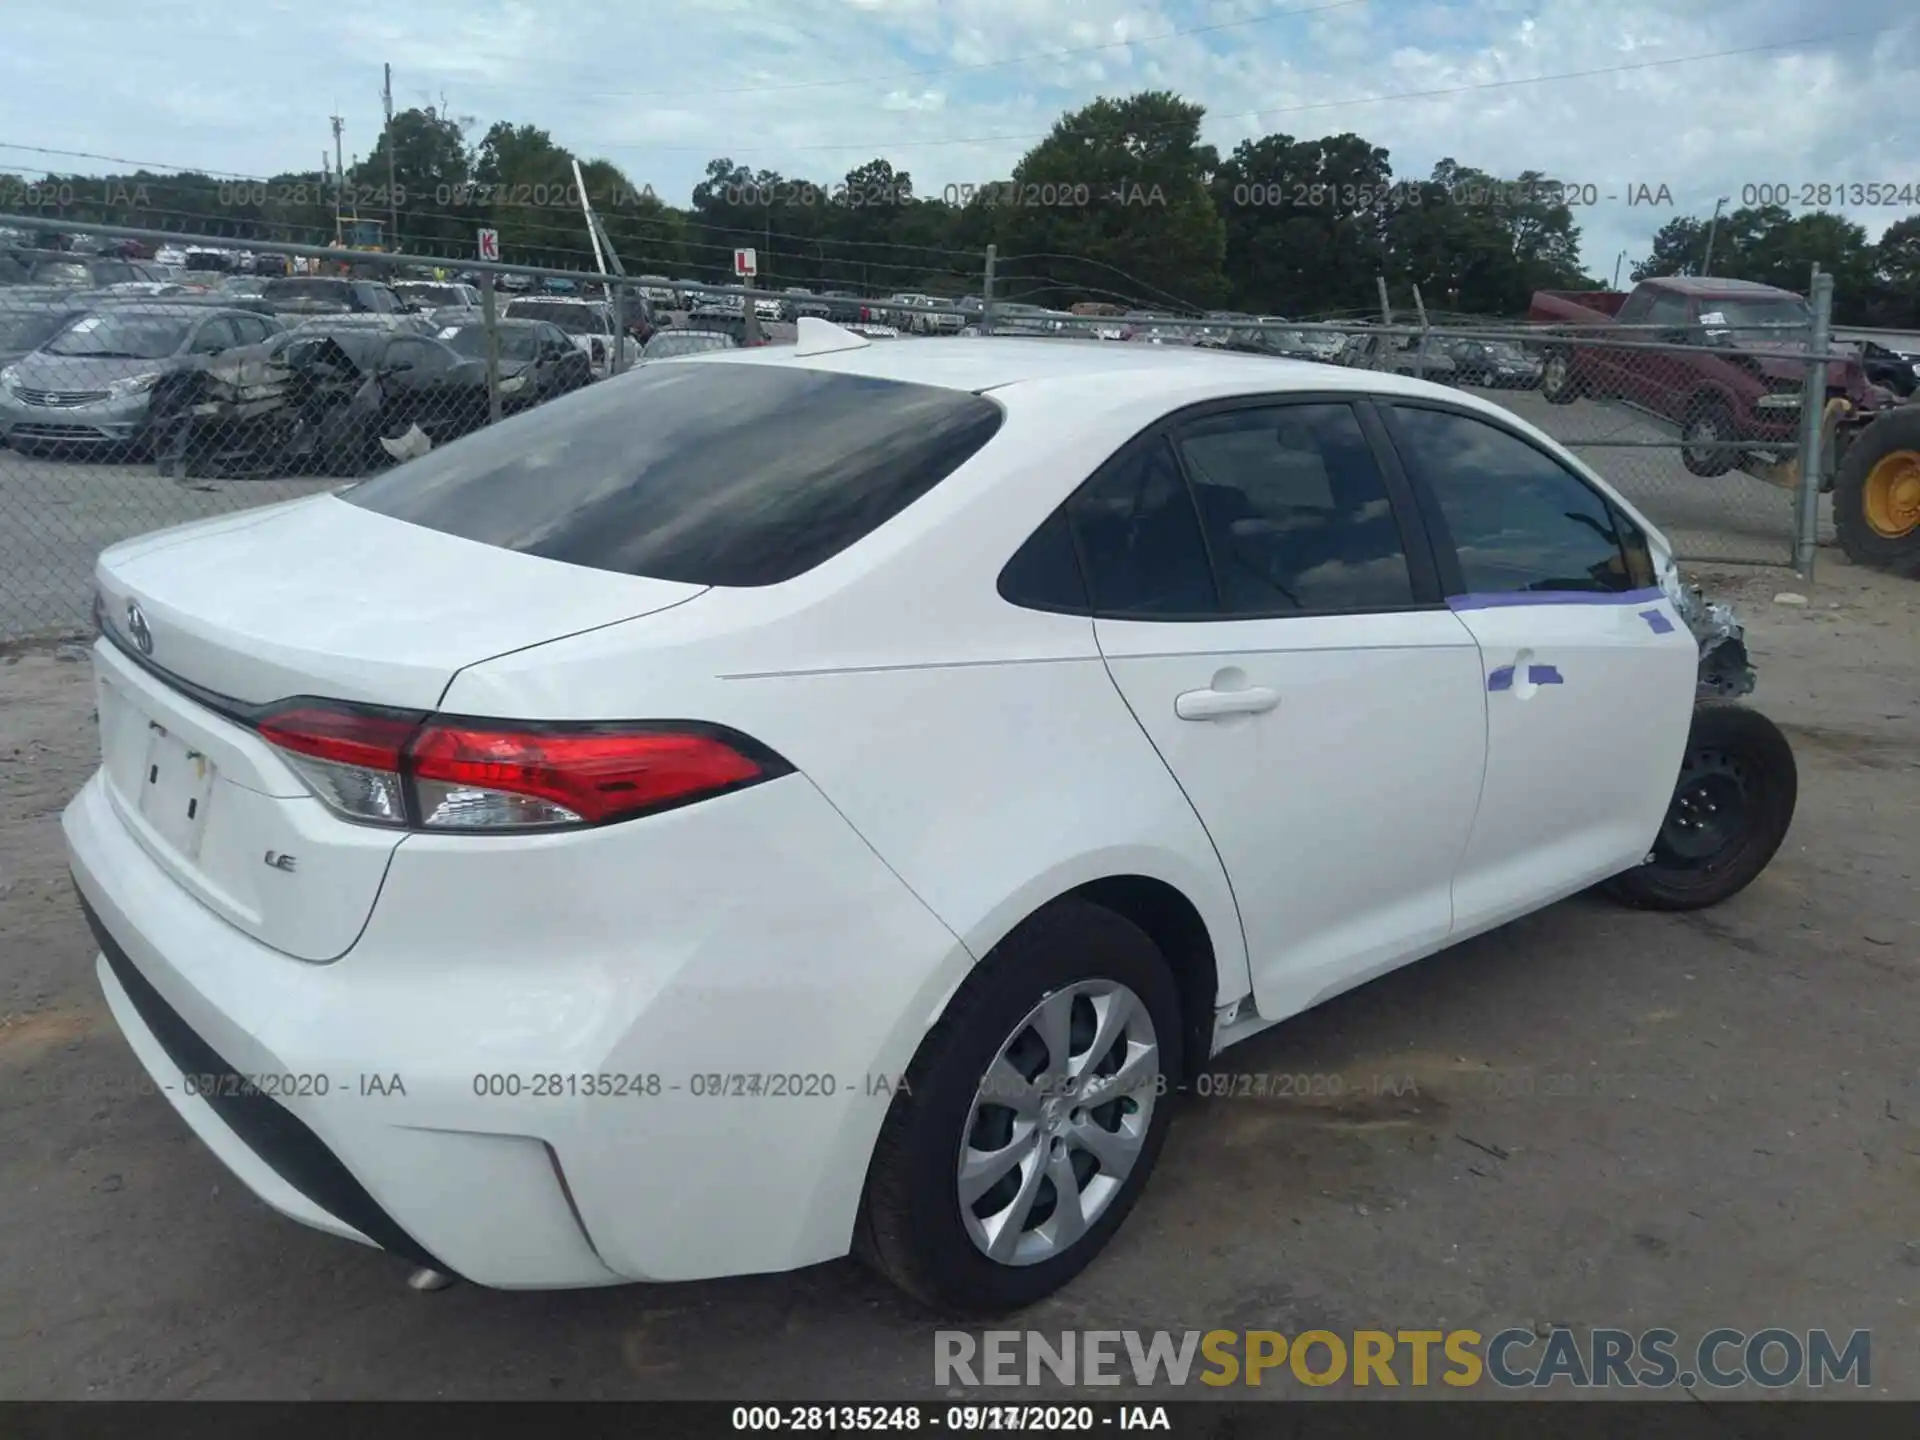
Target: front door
{"points": [[1589, 673], [1285, 648]]}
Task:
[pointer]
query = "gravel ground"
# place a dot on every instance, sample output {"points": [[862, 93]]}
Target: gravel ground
{"points": [[1594, 1117]]}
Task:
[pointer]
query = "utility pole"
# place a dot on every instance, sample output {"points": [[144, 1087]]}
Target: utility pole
{"points": [[339, 181], [1706, 266], [986, 295], [393, 193]]}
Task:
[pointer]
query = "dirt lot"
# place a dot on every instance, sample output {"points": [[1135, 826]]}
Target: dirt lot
{"points": [[1603, 1118]]}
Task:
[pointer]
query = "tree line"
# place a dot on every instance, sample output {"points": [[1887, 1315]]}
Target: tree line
{"points": [[1121, 202]]}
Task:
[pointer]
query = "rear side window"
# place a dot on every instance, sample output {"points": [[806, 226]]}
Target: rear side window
{"points": [[1519, 520], [1139, 539], [1044, 573], [1295, 511], [746, 475]]}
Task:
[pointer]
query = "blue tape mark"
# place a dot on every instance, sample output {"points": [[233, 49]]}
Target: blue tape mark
{"points": [[1501, 679], [1544, 675], [1553, 597], [1657, 622]]}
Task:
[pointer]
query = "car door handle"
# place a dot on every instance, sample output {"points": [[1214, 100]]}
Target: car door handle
{"points": [[1213, 704]]}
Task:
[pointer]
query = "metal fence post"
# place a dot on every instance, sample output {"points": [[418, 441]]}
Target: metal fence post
{"points": [[986, 298], [1813, 404], [619, 326], [490, 317], [1420, 352], [1386, 306]]}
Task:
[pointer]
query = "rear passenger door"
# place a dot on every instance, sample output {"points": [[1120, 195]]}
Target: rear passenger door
{"points": [[1589, 673], [1268, 607]]}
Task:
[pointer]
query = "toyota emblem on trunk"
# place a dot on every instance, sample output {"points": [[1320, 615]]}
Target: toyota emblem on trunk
{"points": [[137, 627]]}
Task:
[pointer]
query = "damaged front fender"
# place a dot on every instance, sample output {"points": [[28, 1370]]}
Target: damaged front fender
{"points": [[1726, 670]]}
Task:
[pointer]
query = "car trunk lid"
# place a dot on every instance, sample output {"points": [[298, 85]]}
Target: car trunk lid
{"points": [[210, 624]]}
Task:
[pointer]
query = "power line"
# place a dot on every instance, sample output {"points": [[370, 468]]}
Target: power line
{"points": [[682, 216], [243, 229], [923, 74], [1437, 92], [1103, 265], [137, 164]]}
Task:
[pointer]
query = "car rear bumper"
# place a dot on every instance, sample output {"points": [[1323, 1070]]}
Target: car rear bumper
{"points": [[640, 1058]]}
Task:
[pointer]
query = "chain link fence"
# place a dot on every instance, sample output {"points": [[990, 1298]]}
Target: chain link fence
{"points": [[128, 405], [1703, 426], [132, 399]]}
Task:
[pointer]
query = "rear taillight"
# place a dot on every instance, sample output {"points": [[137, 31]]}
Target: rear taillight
{"points": [[350, 758], [448, 773]]}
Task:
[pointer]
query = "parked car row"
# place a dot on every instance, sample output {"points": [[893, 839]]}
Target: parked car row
{"points": [[273, 376]]}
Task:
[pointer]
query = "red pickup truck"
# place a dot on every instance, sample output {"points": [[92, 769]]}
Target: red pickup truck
{"points": [[1738, 379]]}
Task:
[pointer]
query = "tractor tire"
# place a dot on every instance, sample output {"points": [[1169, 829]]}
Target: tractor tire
{"points": [[1876, 494]]}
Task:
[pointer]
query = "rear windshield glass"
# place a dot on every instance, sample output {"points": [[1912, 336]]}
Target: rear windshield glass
{"points": [[735, 475], [574, 319], [431, 294], [517, 342], [683, 342], [314, 290]]}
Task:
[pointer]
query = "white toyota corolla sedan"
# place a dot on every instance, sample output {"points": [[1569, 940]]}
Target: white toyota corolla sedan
{"points": [[829, 798]]}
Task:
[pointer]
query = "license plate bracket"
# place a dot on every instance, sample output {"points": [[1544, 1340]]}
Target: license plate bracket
{"points": [[175, 786]]}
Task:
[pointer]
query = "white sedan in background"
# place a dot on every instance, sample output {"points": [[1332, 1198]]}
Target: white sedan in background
{"points": [[817, 799]]}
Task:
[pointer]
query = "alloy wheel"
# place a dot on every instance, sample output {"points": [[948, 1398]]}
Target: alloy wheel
{"points": [[1058, 1122]]}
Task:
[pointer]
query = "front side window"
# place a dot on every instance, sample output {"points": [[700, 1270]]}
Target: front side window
{"points": [[420, 355], [1669, 309], [215, 336], [1295, 511], [1518, 519]]}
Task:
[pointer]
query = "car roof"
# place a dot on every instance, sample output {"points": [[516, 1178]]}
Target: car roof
{"points": [[1713, 285], [997, 363], [167, 308]]}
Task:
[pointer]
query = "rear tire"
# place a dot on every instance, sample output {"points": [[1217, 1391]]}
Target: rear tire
{"points": [[1731, 810], [1558, 384], [1876, 494], [1073, 956]]}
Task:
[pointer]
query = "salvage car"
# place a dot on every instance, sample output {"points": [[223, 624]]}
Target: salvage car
{"points": [[1891, 369], [339, 399], [537, 361], [1730, 374], [84, 272], [330, 295], [590, 323], [969, 742], [430, 295], [1493, 364], [1400, 354], [666, 344], [109, 380]]}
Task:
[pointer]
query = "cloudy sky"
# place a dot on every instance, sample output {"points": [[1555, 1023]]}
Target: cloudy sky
{"points": [[1705, 97]]}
